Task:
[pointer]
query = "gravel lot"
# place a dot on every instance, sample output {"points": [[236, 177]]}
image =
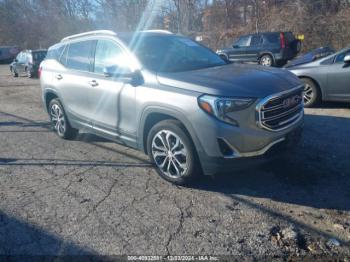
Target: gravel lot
{"points": [[91, 196]]}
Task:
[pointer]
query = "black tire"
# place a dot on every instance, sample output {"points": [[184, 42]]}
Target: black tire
{"points": [[266, 60], [173, 128], [312, 94], [296, 46], [13, 72], [64, 131]]}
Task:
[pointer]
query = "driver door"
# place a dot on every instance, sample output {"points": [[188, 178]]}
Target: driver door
{"points": [[338, 79]]}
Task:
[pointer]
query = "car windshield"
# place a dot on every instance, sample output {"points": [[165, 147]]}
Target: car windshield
{"points": [[172, 53]]}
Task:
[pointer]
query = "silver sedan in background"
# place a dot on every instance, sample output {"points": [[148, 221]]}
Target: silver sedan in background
{"points": [[327, 79]]}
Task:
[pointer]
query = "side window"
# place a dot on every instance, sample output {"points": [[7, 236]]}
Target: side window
{"points": [[256, 40], [108, 54], [78, 56], [55, 52], [243, 41], [273, 38], [340, 58]]}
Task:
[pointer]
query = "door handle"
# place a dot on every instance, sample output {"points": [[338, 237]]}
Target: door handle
{"points": [[59, 77], [93, 83]]}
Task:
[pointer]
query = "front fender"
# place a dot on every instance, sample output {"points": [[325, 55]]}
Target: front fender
{"points": [[171, 112]]}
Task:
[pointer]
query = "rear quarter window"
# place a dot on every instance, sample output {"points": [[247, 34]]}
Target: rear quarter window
{"points": [[55, 52], [272, 38]]}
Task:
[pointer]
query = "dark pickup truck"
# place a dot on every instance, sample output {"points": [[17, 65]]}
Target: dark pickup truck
{"points": [[268, 49]]}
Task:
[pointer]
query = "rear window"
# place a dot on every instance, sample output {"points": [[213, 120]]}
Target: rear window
{"points": [[289, 37], [39, 56]]}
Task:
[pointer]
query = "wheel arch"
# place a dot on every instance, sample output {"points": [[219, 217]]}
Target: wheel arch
{"points": [[224, 55], [153, 115], [317, 84], [49, 95], [261, 54]]}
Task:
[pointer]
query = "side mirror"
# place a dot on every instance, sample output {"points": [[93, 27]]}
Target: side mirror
{"points": [[118, 72], [235, 46], [15, 60], [124, 75], [347, 59]]}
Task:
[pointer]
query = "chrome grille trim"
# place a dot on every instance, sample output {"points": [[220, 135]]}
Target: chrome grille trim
{"points": [[297, 111]]}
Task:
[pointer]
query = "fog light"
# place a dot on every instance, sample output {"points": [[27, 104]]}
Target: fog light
{"points": [[225, 149]]}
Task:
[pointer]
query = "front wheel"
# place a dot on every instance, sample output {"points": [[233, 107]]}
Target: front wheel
{"points": [[173, 153], [266, 60], [59, 121]]}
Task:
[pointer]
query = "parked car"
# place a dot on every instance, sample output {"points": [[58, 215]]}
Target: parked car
{"points": [[27, 62], [327, 79], [172, 98], [311, 56], [267, 49], [8, 53]]}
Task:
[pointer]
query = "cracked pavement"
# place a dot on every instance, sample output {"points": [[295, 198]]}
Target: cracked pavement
{"points": [[92, 196]]}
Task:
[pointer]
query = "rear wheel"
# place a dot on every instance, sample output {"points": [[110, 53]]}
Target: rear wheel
{"points": [[266, 60], [311, 93], [59, 121], [173, 153]]}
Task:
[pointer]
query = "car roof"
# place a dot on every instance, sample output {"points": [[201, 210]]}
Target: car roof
{"points": [[266, 33], [37, 51]]}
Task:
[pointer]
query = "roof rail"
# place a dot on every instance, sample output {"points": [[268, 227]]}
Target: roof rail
{"points": [[90, 33], [157, 31]]}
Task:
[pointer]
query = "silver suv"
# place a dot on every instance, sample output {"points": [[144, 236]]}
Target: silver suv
{"points": [[176, 100]]}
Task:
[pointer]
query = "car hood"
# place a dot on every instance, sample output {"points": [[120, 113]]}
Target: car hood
{"points": [[233, 80]]}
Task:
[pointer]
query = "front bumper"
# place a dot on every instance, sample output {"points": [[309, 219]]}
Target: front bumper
{"points": [[277, 148]]}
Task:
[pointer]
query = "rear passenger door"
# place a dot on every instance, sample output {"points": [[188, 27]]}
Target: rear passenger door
{"points": [[112, 98], [254, 48], [73, 81]]}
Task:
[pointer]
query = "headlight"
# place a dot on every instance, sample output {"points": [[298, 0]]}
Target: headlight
{"points": [[220, 107]]}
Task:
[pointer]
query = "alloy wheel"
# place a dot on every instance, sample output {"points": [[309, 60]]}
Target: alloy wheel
{"points": [[170, 154], [57, 119], [308, 94], [266, 61]]}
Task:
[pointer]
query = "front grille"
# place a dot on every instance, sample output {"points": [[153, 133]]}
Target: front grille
{"points": [[278, 112]]}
